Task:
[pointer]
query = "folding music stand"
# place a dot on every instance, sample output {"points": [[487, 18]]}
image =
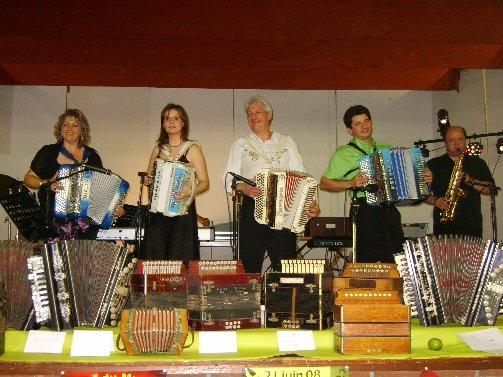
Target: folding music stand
{"points": [[26, 214]]}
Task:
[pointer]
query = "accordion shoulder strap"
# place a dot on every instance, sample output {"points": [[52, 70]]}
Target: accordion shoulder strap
{"points": [[359, 150]]}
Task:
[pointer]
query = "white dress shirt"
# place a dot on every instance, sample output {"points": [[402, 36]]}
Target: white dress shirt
{"points": [[250, 154]]}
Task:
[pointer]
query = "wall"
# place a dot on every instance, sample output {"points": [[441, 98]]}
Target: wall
{"points": [[125, 123]]}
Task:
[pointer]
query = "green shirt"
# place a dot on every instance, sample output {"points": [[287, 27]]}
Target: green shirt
{"points": [[345, 159]]}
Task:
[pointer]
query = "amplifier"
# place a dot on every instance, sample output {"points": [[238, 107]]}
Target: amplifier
{"points": [[329, 227]]}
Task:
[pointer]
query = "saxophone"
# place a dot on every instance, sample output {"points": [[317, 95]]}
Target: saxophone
{"points": [[454, 192]]}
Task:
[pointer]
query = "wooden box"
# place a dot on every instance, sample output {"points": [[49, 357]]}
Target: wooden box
{"points": [[371, 328], [368, 283], [371, 345]]}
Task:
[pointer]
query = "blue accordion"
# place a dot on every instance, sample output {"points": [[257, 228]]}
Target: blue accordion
{"points": [[88, 193], [399, 175]]}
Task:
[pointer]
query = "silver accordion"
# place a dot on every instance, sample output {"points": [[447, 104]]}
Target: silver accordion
{"points": [[398, 173], [80, 283], [169, 177], [285, 199], [89, 193], [452, 278]]}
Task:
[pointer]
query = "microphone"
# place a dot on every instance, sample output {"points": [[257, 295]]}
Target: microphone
{"points": [[95, 168], [371, 187], [243, 179]]}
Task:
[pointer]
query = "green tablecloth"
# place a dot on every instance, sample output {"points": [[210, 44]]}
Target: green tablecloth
{"points": [[262, 343]]}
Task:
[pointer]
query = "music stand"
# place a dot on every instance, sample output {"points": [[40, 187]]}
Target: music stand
{"points": [[26, 214]]}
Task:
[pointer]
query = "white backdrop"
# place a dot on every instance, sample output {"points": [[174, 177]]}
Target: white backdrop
{"points": [[125, 123]]}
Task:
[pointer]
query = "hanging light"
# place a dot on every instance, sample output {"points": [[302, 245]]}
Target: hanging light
{"points": [[474, 149], [499, 145], [443, 121]]}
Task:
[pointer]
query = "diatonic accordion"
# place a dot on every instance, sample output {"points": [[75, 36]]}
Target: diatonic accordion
{"points": [[88, 193], [399, 174], [285, 199], [154, 330], [168, 177], [452, 279], [80, 283]]}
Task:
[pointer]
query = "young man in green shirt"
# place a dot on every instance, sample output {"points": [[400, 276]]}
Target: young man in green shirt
{"points": [[379, 232]]}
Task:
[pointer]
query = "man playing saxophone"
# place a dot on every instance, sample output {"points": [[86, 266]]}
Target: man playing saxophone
{"points": [[458, 181]]}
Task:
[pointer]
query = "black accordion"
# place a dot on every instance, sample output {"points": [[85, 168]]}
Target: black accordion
{"points": [[452, 279], [80, 283], [285, 199], [398, 173], [18, 306], [89, 193]]}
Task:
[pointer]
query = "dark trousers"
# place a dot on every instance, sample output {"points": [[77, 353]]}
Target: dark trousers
{"points": [[379, 233], [255, 239]]}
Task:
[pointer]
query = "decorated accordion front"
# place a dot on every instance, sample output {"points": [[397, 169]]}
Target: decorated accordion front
{"points": [[79, 283], [222, 296], [452, 279], [285, 199], [168, 178], [299, 297], [89, 193], [159, 283], [154, 330], [399, 174]]}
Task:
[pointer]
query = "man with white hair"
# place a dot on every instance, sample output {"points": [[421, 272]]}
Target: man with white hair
{"points": [[262, 148]]}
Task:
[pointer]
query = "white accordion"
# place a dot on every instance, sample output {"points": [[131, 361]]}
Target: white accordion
{"points": [[89, 193], [168, 177], [285, 199]]}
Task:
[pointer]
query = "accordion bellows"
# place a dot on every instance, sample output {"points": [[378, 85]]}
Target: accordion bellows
{"points": [[399, 174], [285, 199], [452, 279], [168, 177], [154, 330], [79, 283], [91, 194]]}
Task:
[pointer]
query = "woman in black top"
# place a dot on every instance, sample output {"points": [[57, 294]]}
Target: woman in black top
{"points": [[175, 238], [72, 133]]}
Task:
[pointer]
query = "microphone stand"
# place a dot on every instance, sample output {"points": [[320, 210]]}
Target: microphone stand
{"points": [[353, 212], [140, 217], [493, 191], [236, 202]]}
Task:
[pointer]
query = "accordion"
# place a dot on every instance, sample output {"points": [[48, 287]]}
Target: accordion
{"points": [[18, 306], [79, 283], [452, 279], [153, 331], [89, 193], [285, 199], [398, 173], [169, 177]]}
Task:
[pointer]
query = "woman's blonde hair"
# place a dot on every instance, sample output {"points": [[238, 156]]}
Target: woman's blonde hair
{"points": [[85, 130]]}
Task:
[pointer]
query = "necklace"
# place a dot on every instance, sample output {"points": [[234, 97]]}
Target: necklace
{"points": [[174, 146]]}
